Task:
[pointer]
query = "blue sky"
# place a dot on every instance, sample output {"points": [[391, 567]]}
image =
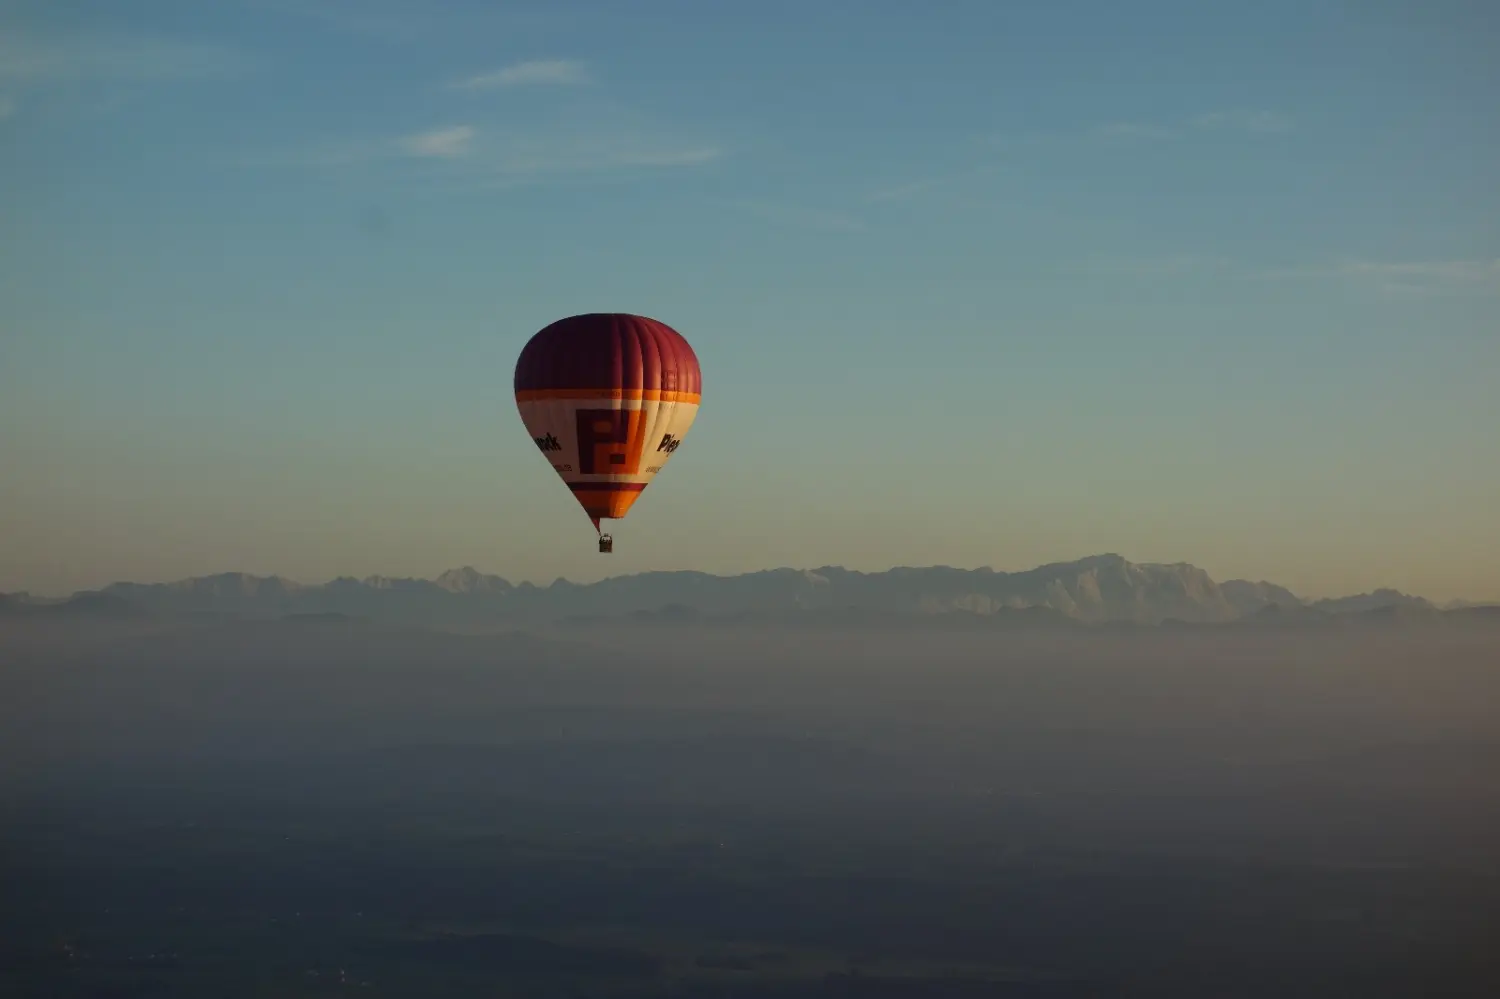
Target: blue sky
{"points": [[972, 283]]}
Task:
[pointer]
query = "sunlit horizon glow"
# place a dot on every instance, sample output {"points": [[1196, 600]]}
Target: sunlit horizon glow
{"points": [[978, 289]]}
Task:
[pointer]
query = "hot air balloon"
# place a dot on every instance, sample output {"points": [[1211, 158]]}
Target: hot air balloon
{"points": [[607, 398]]}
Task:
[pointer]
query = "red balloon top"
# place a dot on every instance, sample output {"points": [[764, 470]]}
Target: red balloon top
{"points": [[612, 352]]}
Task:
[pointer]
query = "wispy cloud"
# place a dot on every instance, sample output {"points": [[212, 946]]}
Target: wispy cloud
{"points": [[537, 72], [1132, 130], [1240, 121], [1264, 122], [29, 58], [910, 189], [419, 22], [664, 156], [902, 191], [1416, 277], [1157, 266], [376, 19], [509, 160], [7, 106], [446, 143], [1247, 121], [477, 158], [1428, 270], [1402, 277], [797, 215]]}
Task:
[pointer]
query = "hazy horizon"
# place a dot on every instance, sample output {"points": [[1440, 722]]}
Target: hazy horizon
{"points": [[598, 577]]}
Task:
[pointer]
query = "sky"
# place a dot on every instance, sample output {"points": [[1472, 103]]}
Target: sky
{"points": [[971, 284]]}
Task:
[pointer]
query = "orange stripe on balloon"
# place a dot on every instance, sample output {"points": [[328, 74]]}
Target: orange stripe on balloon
{"points": [[607, 499], [628, 394]]}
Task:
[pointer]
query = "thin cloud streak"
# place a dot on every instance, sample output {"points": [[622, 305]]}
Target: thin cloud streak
{"points": [[798, 216], [1239, 121], [30, 58], [1168, 265], [1440, 270], [1419, 277], [588, 154], [903, 191], [473, 156], [922, 185], [415, 22], [1253, 122], [1412, 273], [386, 22], [537, 72], [447, 143], [1249, 121], [1132, 130]]}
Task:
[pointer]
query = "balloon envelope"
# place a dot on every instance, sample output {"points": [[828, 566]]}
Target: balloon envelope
{"points": [[607, 398]]}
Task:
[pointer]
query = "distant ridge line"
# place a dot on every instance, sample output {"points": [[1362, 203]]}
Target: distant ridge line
{"points": [[1096, 590]]}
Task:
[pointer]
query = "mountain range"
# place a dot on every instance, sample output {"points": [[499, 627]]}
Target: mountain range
{"points": [[1098, 590]]}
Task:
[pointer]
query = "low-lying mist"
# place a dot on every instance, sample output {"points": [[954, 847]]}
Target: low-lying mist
{"points": [[939, 758]]}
